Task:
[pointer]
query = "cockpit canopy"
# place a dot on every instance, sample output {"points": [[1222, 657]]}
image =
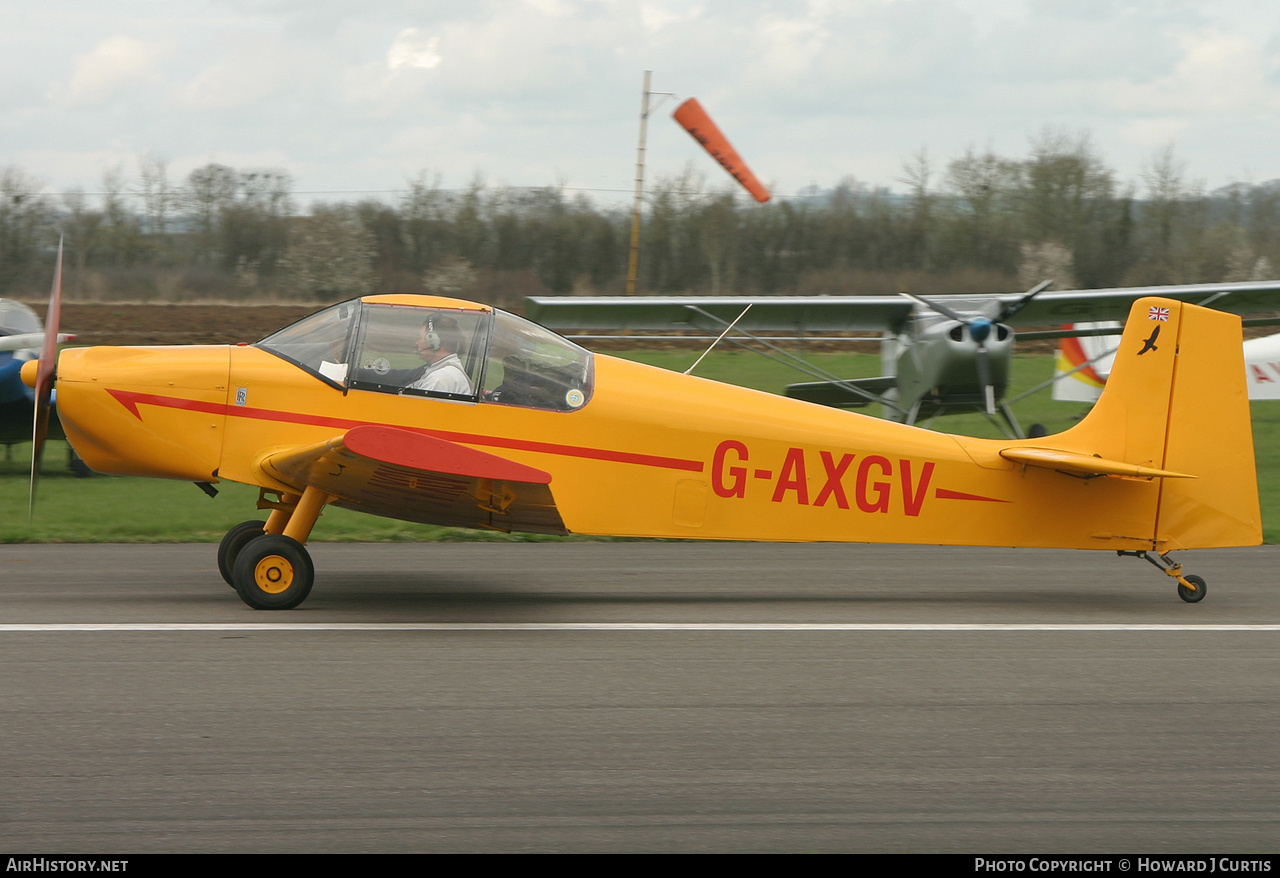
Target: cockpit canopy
{"points": [[437, 347], [17, 319]]}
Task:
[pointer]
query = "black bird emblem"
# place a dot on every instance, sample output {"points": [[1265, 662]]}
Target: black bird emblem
{"points": [[1150, 343]]}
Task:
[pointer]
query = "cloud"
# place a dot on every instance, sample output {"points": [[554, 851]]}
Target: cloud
{"points": [[115, 64], [413, 48], [529, 90]]}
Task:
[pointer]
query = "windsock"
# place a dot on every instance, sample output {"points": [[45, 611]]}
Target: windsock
{"points": [[695, 120]]}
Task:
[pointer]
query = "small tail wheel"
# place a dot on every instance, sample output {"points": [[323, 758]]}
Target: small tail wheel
{"points": [[273, 572], [1192, 595], [231, 545]]}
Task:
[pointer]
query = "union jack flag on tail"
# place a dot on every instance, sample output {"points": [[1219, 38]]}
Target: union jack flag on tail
{"points": [[1158, 313]]}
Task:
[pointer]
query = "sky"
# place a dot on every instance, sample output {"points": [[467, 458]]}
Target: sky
{"points": [[357, 98]]}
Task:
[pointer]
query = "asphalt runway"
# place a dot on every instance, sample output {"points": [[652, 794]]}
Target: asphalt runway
{"points": [[640, 696]]}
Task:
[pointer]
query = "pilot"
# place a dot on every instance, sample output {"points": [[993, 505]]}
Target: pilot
{"points": [[438, 342]]}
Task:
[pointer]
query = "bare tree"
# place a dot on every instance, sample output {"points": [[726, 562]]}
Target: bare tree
{"points": [[453, 276], [209, 191], [83, 229], [329, 258], [25, 218], [158, 196]]}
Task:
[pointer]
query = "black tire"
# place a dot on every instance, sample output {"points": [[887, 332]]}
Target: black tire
{"points": [[231, 545], [78, 467], [273, 572], [1189, 595]]}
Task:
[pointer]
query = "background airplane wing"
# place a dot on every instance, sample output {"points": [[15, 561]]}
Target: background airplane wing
{"points": [[1076, 306], [413, 476], [711, 314]]}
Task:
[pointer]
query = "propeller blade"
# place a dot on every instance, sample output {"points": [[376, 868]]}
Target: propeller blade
{"points": [[984, 378], [935, 306], [44, 381], [1009, 310]]}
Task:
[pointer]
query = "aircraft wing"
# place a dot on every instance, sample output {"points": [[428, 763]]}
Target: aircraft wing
{"points": [[414, 476], [712, 314], [843, 394], [29, 340], [1077, 306]]}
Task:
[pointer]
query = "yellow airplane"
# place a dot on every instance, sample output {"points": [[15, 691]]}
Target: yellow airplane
{"points": [[449, 412]]}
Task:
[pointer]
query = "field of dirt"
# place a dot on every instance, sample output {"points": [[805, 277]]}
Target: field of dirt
{"points": [[95, 323], [132, 324], [115, 324]]}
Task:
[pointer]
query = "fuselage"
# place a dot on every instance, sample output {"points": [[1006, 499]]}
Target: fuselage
{"points": [[650, 452]]}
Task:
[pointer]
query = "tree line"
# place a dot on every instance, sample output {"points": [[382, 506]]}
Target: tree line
{"points": [[976, 222]]}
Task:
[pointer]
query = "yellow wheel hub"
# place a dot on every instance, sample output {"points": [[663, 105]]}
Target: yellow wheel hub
{"points": [[274, 574]]}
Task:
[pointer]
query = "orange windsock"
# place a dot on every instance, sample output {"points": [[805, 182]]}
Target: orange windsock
{"points": [[695, 120]]}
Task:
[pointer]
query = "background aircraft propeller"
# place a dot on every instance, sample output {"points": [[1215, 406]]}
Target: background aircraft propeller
{"points": [[45, 374], [980, 330]]}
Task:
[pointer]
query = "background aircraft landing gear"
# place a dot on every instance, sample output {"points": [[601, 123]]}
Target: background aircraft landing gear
{"points": [[1191, 589], [273, 572], [232, 543]]}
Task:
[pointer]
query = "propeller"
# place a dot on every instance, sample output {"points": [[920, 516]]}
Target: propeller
{"points": [[980, 330], [1009, 310], [45, 374]]}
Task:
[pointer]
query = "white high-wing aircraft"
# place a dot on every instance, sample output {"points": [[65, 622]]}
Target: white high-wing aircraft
{"points": [[941, 355], [1084, 362], [20, 338]]}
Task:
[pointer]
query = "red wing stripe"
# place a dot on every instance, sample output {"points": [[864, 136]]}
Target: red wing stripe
{"points": [[131, 400], [695, 466], [944, 494]]}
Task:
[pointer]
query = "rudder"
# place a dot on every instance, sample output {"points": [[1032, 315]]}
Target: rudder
{"points": [[1177, 400]]}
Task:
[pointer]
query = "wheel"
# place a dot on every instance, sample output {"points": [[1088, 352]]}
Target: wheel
{"points": [[273, 572], [231, 545], [1189, 595], [78, 467]]}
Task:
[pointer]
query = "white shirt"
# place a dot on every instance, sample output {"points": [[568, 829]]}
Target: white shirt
{"points": [[445, 375]]}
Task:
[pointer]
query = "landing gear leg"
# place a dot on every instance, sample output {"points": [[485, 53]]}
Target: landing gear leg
{"points": [[1191, 589], [273, 570]]}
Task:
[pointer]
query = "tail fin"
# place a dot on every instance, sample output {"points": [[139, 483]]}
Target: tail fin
{"points": [[1177, 401]]}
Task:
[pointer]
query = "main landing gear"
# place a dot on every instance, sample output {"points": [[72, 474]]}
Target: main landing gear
{"points": [[1191, 589], [267, 563]]}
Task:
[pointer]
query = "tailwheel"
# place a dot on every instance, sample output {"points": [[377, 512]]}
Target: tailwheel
{"points": [[273, 572], [232, 543], [1192, 589]]}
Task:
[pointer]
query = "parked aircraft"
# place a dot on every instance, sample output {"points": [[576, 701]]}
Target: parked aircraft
{"points": [[20, 338], [541, 435], [942, 355], [1084, 362]]}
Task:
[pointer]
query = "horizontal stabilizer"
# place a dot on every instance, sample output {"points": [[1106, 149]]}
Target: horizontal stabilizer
{"points": [[1084, 465], [415, 476], [839, 394]]}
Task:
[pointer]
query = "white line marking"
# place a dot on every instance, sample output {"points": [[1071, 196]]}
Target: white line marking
{"points": [[51, 627]]}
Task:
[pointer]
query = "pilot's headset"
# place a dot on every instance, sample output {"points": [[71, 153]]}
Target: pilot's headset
{"points": [[431, 338]]}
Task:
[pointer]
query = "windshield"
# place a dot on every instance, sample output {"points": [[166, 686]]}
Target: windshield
{"points": [[318, 343], [17, 319], [528, 365], [444, 352], [415, 350]]}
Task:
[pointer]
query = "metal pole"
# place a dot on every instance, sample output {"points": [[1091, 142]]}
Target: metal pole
{"points": [[633, 261]]}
